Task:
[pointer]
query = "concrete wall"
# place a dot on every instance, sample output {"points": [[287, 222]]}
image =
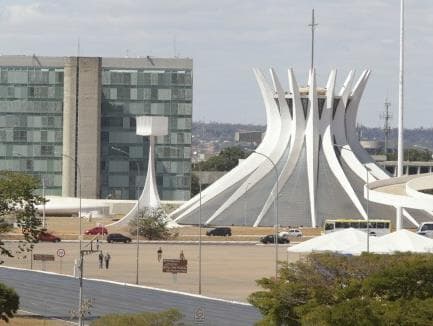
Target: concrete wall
{"points": [[82, 143], [69, 125]]}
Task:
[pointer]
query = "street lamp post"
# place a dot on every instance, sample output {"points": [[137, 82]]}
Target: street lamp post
{"points": [[368, 196], [80, 296], [246, 205], [199, 225], [276, 211], [138, 213], [368, 200], [43, 203], [79, 188], [199, 230]]}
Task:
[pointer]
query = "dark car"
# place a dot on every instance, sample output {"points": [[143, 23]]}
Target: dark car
{"points": [[271, 239], [221, 231], [96, 230], [48, 237], [117, 237]]}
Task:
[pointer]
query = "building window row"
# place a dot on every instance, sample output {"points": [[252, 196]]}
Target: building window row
{"points": [[165, 78], [31, 76], [139, 94]]}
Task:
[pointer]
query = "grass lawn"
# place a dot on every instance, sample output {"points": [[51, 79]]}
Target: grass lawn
{"points": [[34, 321]]}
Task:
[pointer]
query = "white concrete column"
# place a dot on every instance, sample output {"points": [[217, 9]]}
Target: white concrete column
{"points": [[398, 218], [69, 126], [81, 125]]}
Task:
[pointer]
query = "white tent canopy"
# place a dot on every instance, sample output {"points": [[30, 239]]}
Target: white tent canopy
{"points": [[403, 241], [347, 241], [354, 242]]}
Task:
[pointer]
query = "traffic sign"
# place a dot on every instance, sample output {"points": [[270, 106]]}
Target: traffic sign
{"points": [[174, 265], [61, 252], [199, 315]]}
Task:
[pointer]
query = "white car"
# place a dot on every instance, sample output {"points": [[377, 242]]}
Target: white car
{"points": [[291, 233], [426, 229]]}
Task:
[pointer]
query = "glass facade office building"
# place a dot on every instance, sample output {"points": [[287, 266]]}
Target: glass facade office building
{"points": [[47, 107], [31, 101], [131, 93]]}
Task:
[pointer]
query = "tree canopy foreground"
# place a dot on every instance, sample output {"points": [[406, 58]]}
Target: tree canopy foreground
{"points": [[329, 289]]}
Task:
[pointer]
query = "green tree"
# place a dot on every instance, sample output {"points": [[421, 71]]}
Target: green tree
{"points": [[328, 289], [152, 224], [9, 302], [17, 204], [171, 317], [226, 160], [195, 186]]}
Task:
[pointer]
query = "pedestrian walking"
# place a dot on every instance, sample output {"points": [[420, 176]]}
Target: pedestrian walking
{"points": [[159, 253], [182, 256], [107, 260], [101, 260]]}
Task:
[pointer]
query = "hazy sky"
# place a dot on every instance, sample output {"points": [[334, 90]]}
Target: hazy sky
{"points": [[226, 38]]}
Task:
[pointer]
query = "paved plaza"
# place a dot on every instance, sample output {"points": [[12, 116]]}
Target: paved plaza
{"points": [[229, 271]]}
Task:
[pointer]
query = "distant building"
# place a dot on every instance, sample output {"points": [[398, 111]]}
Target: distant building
{"points": [[373, 147], [57, 110], [253, 137]]}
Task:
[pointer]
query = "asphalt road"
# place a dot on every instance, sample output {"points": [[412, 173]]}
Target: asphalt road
{"points": [[55, 295]]}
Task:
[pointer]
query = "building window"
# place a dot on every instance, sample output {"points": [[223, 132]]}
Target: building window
{"points": [[44, 136], [29, 165], [47, 150], [164, 94], [20, 135]]}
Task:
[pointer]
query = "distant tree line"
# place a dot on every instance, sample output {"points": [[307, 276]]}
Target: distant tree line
{"points": [[413, 154], [207, 131], [226, 160]]}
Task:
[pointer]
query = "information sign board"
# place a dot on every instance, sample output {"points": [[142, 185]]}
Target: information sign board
{"points": [[174, 265], [43, 257]]}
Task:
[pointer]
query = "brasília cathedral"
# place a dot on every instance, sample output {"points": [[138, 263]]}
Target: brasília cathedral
{"points": [[310, 156]]}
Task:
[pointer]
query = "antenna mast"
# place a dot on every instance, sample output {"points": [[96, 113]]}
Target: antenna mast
{"points": [[313, 27], [386, 116], [400, 110]]}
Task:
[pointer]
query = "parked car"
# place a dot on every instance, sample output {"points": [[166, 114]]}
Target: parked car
{"points": [[221, 231], [48, 237], [271, 239], [426, 229], [96, 230], [117, 237], [291, 233]]}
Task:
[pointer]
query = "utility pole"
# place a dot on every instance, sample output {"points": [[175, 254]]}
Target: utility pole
{"points": [[386, 116], [313, 27]]}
